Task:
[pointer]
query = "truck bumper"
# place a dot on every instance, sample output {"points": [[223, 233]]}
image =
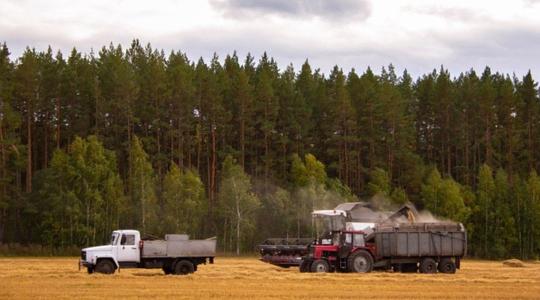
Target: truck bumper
{"points": [[84, 264]]}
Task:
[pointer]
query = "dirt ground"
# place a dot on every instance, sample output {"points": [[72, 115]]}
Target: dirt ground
{"points": [[247, 278]]}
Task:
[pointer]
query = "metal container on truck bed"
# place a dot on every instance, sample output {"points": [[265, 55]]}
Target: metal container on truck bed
{"points": [[420, 240], [179, 246]]}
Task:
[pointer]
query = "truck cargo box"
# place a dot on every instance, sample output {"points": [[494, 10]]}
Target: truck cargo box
{"points": [[191, 248], [179, 246], [420, 240]]}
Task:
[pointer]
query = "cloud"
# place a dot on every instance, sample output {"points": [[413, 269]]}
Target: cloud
{"points": [[325, 9], [415, 34]]}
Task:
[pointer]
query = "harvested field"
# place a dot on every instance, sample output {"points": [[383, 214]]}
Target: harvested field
{"points": [[247, 278]]}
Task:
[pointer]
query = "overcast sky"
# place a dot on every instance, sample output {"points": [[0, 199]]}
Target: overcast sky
{"points": [[415, 34]]}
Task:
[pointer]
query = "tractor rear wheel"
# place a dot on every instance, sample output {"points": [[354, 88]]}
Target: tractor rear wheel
{"points": [[360, 262], [320, 266], [105, 266], [183, 267], [446, 265], [428, 266]]}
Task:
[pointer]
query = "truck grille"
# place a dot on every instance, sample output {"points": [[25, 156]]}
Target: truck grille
{"points": [[83, 255]]}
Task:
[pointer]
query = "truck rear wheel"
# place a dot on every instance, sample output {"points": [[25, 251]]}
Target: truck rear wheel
{"points": [[428, 266], [360, 262], [105, 266], [446, 265], [320, 266], [183, 267]]}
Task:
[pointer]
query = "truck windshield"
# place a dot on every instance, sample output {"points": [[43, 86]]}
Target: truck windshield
{"points": [[114, 237]]}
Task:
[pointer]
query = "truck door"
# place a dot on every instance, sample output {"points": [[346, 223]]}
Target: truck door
{"points": [[128, 250]]}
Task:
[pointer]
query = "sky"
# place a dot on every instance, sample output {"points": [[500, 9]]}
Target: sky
{"points": [[419, 35]]}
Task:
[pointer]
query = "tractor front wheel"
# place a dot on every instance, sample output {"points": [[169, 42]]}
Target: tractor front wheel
{"points": [[320, 266]]}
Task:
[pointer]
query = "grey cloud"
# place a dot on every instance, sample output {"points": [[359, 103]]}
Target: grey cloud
{"points": [[327, 9]]}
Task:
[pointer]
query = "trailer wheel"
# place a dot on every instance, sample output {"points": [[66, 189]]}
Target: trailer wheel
{"points": [[428, 266], [105, 266], [446, 265], [320, 266], [360, 262], [183, 267]]}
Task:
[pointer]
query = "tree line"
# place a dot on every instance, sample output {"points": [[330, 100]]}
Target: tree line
{"points": [[244, 150]]}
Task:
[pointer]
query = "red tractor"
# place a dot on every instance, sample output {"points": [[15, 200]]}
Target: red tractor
{"points": [[344, 251]]}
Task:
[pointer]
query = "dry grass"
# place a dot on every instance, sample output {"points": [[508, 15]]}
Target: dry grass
{"points": [[514, 263], [247, 278]]}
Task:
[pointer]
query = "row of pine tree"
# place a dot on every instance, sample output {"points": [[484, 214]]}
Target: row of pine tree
{"points": [[240, 149]]}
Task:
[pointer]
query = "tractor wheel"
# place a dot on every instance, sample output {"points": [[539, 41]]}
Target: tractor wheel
{"points": [[305, 266], [446, 265], [105, 266], [320, 266], [360, 262], [428, 266], [183, 267]]}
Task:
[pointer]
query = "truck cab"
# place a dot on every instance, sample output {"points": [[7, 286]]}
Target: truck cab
{"points": [[123, 250]]}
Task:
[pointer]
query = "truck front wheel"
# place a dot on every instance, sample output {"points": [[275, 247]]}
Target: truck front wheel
{"points": [[360, 262], [183, 267], [105, 266], [320, 266]]}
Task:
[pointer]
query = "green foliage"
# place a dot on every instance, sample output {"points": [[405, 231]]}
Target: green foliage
{"points": [[379, 183], [304, 139], [184, 206], [238, 203], [444, 197], [308, 172], [142, 198], [79, 198]]}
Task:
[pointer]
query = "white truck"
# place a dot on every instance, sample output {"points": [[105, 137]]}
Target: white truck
{"points": [[176, 254]]}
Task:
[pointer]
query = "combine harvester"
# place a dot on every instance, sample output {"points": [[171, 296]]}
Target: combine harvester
{"points": [[356, 238]]}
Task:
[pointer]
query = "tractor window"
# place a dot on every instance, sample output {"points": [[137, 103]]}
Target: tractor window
{"points": [[359, 240], [128, 239], [348, 238]]}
